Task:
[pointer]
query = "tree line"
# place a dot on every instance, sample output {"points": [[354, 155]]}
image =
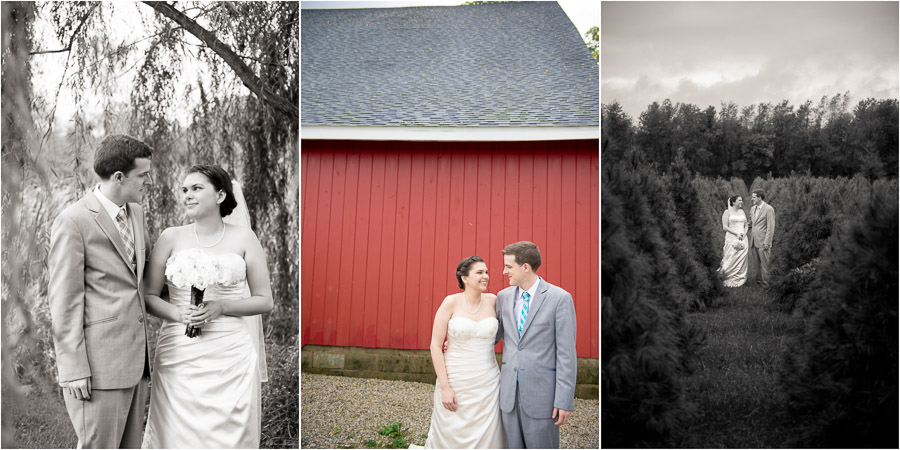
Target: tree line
{"points": [[824, 139]]}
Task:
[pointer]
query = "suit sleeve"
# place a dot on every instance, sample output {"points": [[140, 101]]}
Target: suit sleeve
{"points": [[499, 309], [770, 226], [566, 359], [66, 296]]}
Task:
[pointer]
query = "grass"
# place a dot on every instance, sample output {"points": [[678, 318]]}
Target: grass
{"points": [[40, 419], [735, 380]]}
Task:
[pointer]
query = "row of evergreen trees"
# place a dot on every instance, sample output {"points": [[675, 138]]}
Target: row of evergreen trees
{"points": [[661, 241], [824, 139], [658, 263]]}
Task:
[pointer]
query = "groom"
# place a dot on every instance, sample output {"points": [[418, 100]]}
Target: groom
{"points": [[762, 230], [537, 379], [98, 248]]}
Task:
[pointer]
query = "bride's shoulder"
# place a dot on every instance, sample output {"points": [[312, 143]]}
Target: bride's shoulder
{"points": [[240, 232], [172, 233], [450, 300]]}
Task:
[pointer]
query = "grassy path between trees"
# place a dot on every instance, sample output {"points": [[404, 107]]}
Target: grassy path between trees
{"points": [[735, 380]]}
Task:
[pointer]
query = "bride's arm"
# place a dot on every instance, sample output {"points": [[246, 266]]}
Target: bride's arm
{"points": [[438, 333], [260, 300], [725, 224], [155, 278]]}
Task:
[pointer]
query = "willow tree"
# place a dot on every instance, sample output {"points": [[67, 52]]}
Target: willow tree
{"points": [[239, 61]]}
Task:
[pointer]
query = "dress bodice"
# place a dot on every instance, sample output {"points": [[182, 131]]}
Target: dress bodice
{"points": [[467, 338], [736, 219], [463, 328]]}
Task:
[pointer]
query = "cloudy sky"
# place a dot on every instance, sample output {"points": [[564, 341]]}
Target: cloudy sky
{"points": [[747, 52]]}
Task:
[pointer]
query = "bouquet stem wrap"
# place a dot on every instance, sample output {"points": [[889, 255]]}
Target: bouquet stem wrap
{"points": [[196, 300]]}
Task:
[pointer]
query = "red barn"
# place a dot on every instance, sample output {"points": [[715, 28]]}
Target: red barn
{"points": [[430, 134]]}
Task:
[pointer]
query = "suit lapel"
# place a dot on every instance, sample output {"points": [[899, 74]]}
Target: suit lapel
{"points": [[107, 225], [534, 306]]}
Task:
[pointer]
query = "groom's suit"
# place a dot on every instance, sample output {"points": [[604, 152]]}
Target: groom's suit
{"points": [[99, 321], [762, 230], [539, 369]]}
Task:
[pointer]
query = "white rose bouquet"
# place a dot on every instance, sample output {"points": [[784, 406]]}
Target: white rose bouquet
{"points": [[194, 269]]}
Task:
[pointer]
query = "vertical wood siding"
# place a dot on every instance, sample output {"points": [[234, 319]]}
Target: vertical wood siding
{"points": [[385, 223]]}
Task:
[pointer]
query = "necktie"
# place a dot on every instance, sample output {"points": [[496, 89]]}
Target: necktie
{"points": [[526, 297], [125, 232]]}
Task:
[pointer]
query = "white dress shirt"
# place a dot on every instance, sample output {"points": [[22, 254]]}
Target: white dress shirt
{"points": [[519, 298], [111, 208]]}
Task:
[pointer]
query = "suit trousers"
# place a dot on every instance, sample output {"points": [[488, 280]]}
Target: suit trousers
{"points": [[112, 418], [523, 431], [761, 258]]}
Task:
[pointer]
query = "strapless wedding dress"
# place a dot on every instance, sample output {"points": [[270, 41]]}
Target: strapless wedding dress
{"points": [[205, 390], [474, 376], [734, 254]]}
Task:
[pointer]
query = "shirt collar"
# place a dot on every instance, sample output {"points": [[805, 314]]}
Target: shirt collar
{"points": [[111, 208], [532, 290]]}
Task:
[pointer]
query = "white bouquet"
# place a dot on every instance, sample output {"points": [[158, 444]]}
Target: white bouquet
{"points": [[195, 269], [738, 245]]}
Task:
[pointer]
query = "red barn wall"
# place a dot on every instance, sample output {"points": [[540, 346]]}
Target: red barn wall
{"points": [[384, 225]]}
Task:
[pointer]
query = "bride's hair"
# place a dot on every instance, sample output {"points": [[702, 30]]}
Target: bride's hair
{"points": [[732, 199], [221, 182], [463, 268]]}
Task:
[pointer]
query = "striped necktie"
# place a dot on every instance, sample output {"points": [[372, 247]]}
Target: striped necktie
{"points": [[125, 232], [526, 297]]}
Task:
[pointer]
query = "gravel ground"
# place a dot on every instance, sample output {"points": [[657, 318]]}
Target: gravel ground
{"points": [[343, 412]]}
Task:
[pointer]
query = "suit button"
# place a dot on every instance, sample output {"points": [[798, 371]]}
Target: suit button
{"points": [[141, 319]]}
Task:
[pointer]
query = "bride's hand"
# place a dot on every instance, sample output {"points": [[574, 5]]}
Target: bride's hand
{"points": [[184, 313], [448, 398], [206, 313]]}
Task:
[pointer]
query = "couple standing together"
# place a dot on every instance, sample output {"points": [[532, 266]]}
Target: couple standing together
{"points": [[104, 279], [521, 406], [758, 231]]}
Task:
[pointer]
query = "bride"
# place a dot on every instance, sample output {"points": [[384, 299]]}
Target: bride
{"points": [[205, 388], [466, 410], [734, 255]]}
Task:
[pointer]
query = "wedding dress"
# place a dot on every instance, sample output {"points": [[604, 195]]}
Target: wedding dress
{"points": [[205, 391], [734, 258], [474, 376]]}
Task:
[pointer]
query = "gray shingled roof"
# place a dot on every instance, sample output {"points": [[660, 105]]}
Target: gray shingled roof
{"points": [[519, 64]]}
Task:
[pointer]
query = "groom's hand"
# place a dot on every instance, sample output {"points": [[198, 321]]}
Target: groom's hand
{"points": [[80, 389], [563, 416]]}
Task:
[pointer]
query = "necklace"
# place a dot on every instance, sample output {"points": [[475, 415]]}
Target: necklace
{"points": [[208, 246], [480, 301]]}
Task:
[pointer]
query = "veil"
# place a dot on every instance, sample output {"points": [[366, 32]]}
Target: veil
{"points": [[241, 217]]}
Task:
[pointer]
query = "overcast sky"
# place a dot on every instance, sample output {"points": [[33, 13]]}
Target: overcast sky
{"points": [[747, 52], [584, 14]]}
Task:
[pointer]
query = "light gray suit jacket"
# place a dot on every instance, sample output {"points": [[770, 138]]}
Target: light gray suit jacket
{"points": [[544, 358], [99, 319], [762, 227]]}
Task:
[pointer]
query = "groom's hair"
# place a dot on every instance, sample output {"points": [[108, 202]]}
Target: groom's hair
{"points": [[525, 252], [116, 153], [221, 182], [463, 268], [760, 193]]}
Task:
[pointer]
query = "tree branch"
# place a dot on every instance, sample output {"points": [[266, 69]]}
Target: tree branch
{"points": [[228, 55], [84, 19]]}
